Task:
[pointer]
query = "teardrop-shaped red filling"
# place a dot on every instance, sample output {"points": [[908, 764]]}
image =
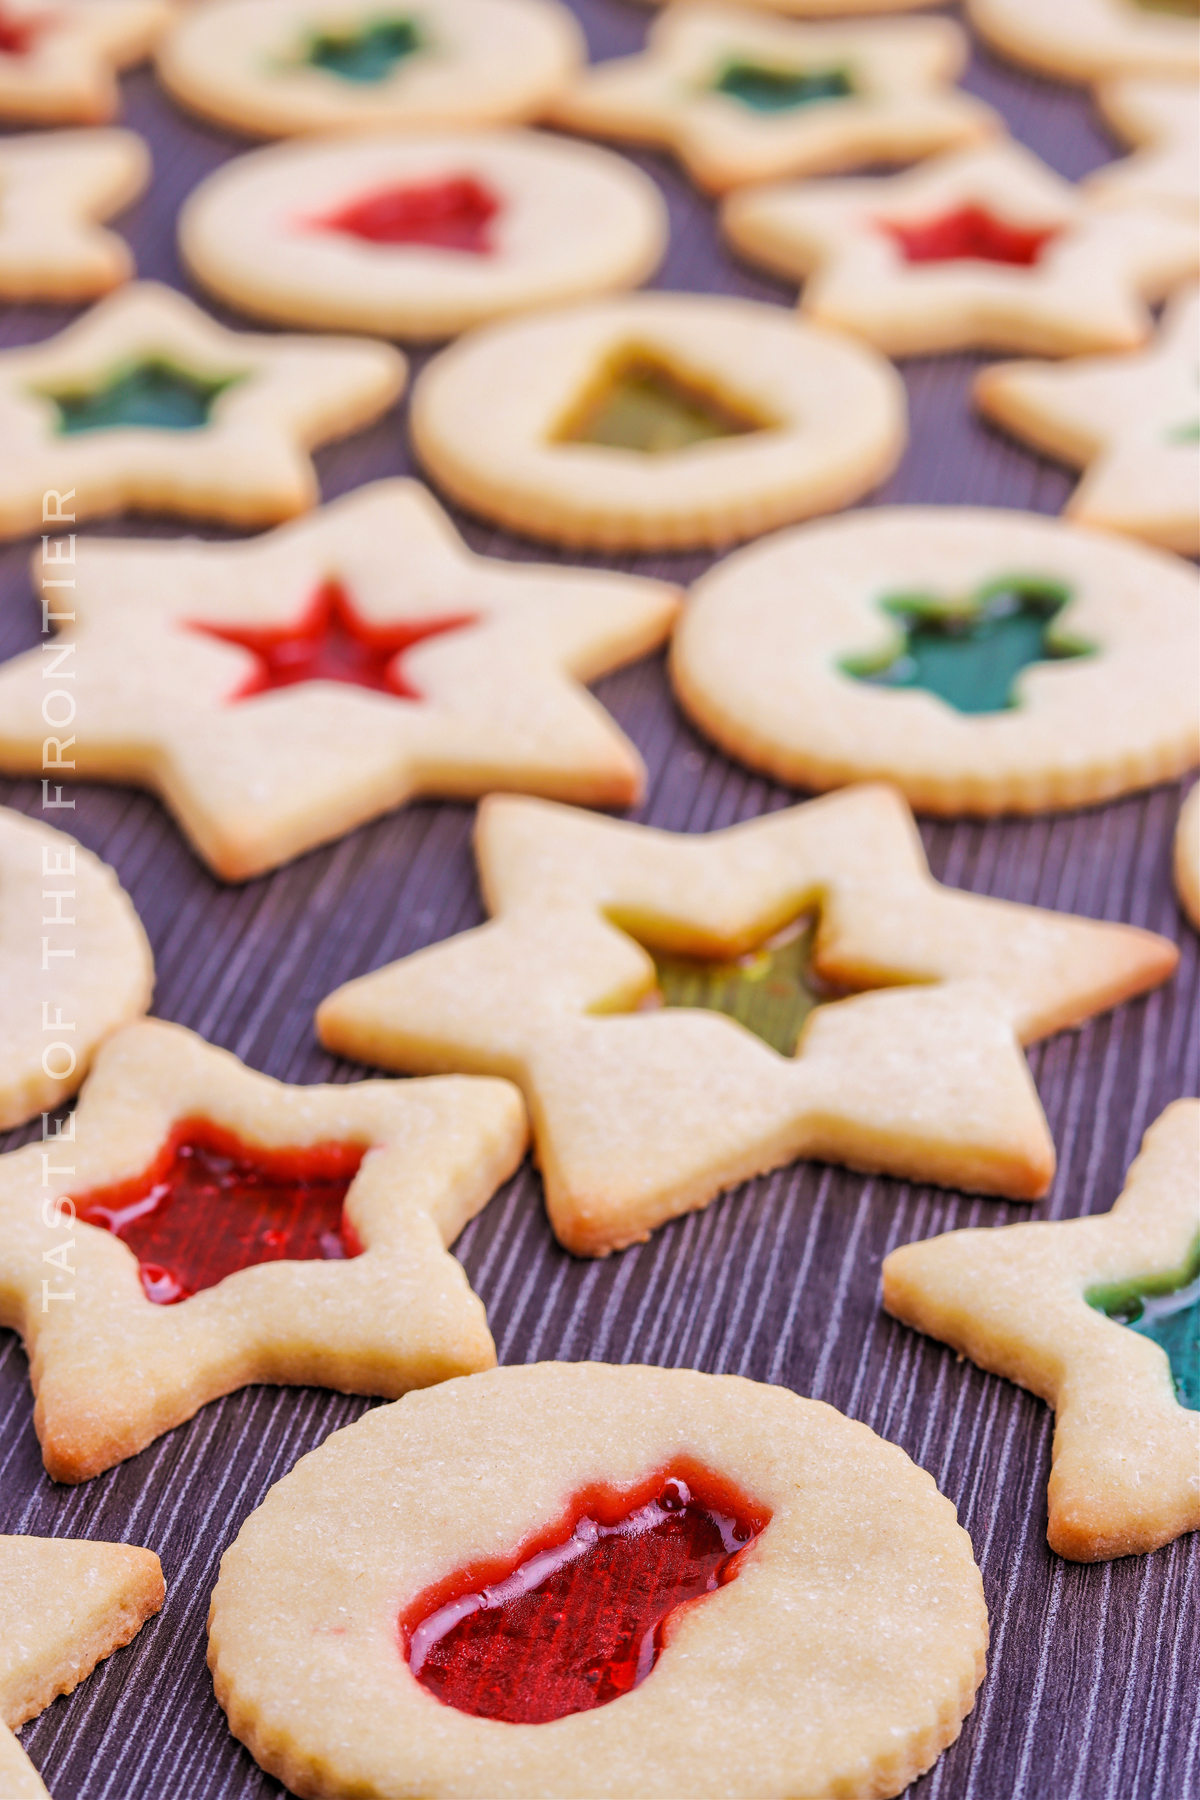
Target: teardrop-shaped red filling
{"points": [[971, 232], [210, 1204], [583, 1616]]}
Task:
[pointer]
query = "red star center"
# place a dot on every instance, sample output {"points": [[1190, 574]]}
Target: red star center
{"points": [[970, 233], [330, 642], [19, 35], [449, 215]]}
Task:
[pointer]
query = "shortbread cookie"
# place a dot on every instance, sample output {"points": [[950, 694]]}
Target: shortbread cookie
{"points": [[798, 1612], [651, 1113], [741, 97], [148, 403], [1029, 1302], [209, 1227], [288, 689], [1162, 118], [984, 249], [65, 1604], [54, 190], [59, 58], [1187, 857], [985, 662], [74, 961], [274, 67], [420, 237], [1131, 422], [655, 422], [1085, 40]]}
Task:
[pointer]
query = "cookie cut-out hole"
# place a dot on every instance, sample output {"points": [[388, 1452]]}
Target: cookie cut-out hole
{"points": [[364, 53], [447, 215], [582, 1617], [153, 393], [1166, 1309], [770, 90], [210, 1204], [639, 402], [969, 234], [970, 656], [331, 641]]}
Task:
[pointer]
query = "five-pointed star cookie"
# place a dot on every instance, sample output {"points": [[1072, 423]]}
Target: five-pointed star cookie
{"points": [[741, 97], [146, 402], [59, 58], [256, 1248], [1162, 118], [647, 1114], [65, 1604], [1132, 422], [274, 700], [981, 249], [1040, 1304], [54, 190]]}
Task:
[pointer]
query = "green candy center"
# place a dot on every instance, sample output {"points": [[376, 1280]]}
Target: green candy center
{"points": [[641, 404], [152, 393], [971, 656], [1166, 1309], [770, 90], [364, 53], [771, 990]]}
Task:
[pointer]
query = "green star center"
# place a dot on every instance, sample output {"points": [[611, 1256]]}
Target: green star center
{"points": [[152, 393], [765, 89], [771, 990], [364, 53], [1166, 1309]]}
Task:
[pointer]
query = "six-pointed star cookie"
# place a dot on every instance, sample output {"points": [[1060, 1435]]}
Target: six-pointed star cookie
{"points": [[54, 190], [74, 964], [1132, 422], [58, 58], [638, 1118], [1187, 857], [146, 402], [275, 701], [1029, 1302], [65, 1604], [241, 1264], [741, 97], [1163, 119], [982, 248], [1085, 40]]}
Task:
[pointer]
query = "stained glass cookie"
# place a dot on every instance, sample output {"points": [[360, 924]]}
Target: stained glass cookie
{"points": [[55, 189], [1084, 40], [418, 236], [985, 662], [680, 1583], [657, 421], [1100, 1317], [276, 67], [59, 58], [684, 1012], [1187, 857]]}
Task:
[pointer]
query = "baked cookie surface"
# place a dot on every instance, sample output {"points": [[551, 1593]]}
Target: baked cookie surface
{"points": [[985, 662], [55, 188], [1083, 40], [1187, 857], [593, 986], [275, 67], [101, 976], [656, 421], [225, 1228], [1162, 119], [984, 249], [59, 61], [741, 97], [418, 236], [1042, 1305], [839, 1655]]}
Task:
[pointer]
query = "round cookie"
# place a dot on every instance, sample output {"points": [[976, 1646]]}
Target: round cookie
{"points": [[823, 657], [274, 67], [1187, 857], [840, 1654], [657, 421], [420, 237], [1085, 40]]}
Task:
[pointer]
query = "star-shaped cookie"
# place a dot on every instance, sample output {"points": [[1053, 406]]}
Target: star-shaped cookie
{"points": [[54, 190], [65, 1604], [59, 58], [259, 1249], [984, 249], [640, 1115], [273, 702], [1040, 1304], [741, 97], [1131, 422], [146, 402], [1162, 118]]}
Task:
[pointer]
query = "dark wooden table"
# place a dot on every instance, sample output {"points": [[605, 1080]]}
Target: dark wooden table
{"points": [[1092, 1690]]}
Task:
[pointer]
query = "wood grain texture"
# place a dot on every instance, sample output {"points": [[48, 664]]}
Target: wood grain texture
{"points": [[1091, 1693]]}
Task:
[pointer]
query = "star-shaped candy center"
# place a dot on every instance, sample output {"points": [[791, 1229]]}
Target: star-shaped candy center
{"points": [[449, 215], [771, 990], [1166, 1310], [767, 89], [366, 53], [330, 641], [641, 403], [971, 657], [152, 392], [210, 1205], [968, 233]]}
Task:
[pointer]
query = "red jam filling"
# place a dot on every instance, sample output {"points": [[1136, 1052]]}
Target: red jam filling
{"points": [[448, 215], [18, 36], [209, 1205], [971, 232], [330, 642], [582, 1618]]}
